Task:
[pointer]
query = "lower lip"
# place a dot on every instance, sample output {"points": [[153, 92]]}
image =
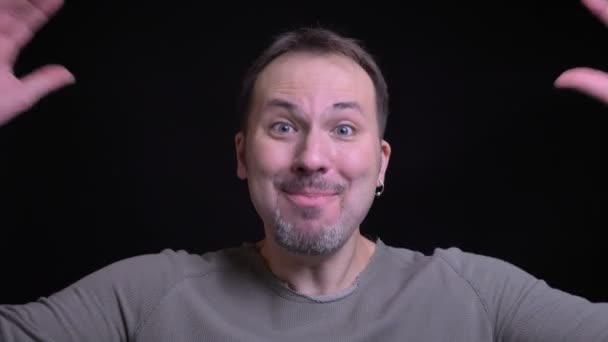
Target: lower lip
{"points": [[310, 200]]}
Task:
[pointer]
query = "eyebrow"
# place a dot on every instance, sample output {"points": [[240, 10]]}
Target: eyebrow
{"points": [[283, 104], [293, 109], [348, 105]]}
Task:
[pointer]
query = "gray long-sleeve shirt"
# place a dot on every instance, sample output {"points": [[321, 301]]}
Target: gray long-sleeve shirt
{"points": [[230, 295]]}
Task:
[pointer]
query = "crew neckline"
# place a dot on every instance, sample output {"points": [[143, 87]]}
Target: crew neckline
{"points": [[286, 292]]}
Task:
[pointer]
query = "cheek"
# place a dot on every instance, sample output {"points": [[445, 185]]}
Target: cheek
{"points": [[267, 158], [358, 163], [265, 161]]}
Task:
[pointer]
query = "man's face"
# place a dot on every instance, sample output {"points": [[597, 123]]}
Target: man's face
{"points": [[312, 155]]}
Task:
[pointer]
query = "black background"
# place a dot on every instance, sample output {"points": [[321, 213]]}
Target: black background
{"points": [[138, 156]]}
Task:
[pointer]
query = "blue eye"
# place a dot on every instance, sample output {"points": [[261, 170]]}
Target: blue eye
{"points": [[345, 130], [282, 127]]}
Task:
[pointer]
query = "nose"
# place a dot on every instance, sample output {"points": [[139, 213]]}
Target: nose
{"points": [[312, 155]]}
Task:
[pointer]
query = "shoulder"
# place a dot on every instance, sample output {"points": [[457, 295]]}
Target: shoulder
{"points": [[124, 293], [496, 281], [152, 275], [170, 265], [489, 278], [474, 266], [496, 284], [469, 266]]}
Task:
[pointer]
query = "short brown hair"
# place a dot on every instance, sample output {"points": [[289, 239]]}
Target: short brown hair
{"points": [[318, 40]]}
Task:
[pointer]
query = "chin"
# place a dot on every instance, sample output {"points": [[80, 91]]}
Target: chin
{"points": [[310, 237]]}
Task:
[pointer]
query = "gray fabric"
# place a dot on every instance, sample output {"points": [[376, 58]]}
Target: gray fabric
{"points": [[229, 295]]}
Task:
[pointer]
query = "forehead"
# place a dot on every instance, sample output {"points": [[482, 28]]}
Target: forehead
{"points": [[315, 80]]}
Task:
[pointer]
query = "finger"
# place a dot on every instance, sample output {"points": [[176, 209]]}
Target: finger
{"points": [[43, 81], [32, 14], [9, 23], [46, 9], [24, 11], [585, 80], [17, 26], [48, 6], [13, 34], [599, 8]]}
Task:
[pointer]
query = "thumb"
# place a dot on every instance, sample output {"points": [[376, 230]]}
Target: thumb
{"points": [[585, 80], [45, 80]]}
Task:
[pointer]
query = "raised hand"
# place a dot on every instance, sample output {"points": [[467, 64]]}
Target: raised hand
{"points": [[588, 81], [19, 21]]}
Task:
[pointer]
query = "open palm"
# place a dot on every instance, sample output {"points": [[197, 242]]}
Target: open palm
{"points": [[19, 20], [589, 81]]}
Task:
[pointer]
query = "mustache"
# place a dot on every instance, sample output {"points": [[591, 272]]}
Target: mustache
{"points": [[299, 184]]}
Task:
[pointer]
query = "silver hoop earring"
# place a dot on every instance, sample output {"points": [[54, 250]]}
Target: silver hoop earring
{"points": [[380, 189]]}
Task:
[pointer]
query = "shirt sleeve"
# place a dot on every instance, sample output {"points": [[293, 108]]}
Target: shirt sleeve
{"points": [[107, 305], [523, 308]]}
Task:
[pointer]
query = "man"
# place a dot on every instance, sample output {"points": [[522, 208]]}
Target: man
{"points": [[312, 152]]}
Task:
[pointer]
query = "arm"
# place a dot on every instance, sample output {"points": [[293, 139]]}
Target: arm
{"points": [[111, 304], [19, 20], [88, 310], [523, 308], [539, 312]]}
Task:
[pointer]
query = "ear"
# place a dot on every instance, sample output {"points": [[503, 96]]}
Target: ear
{"points": [[385, 155], [241, 166]]}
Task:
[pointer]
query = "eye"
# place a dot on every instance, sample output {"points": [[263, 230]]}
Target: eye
{"points": [[282, 127], [345, 130]]}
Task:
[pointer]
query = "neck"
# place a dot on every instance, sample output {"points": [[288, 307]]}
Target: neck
{"points": [[319, 275]]}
